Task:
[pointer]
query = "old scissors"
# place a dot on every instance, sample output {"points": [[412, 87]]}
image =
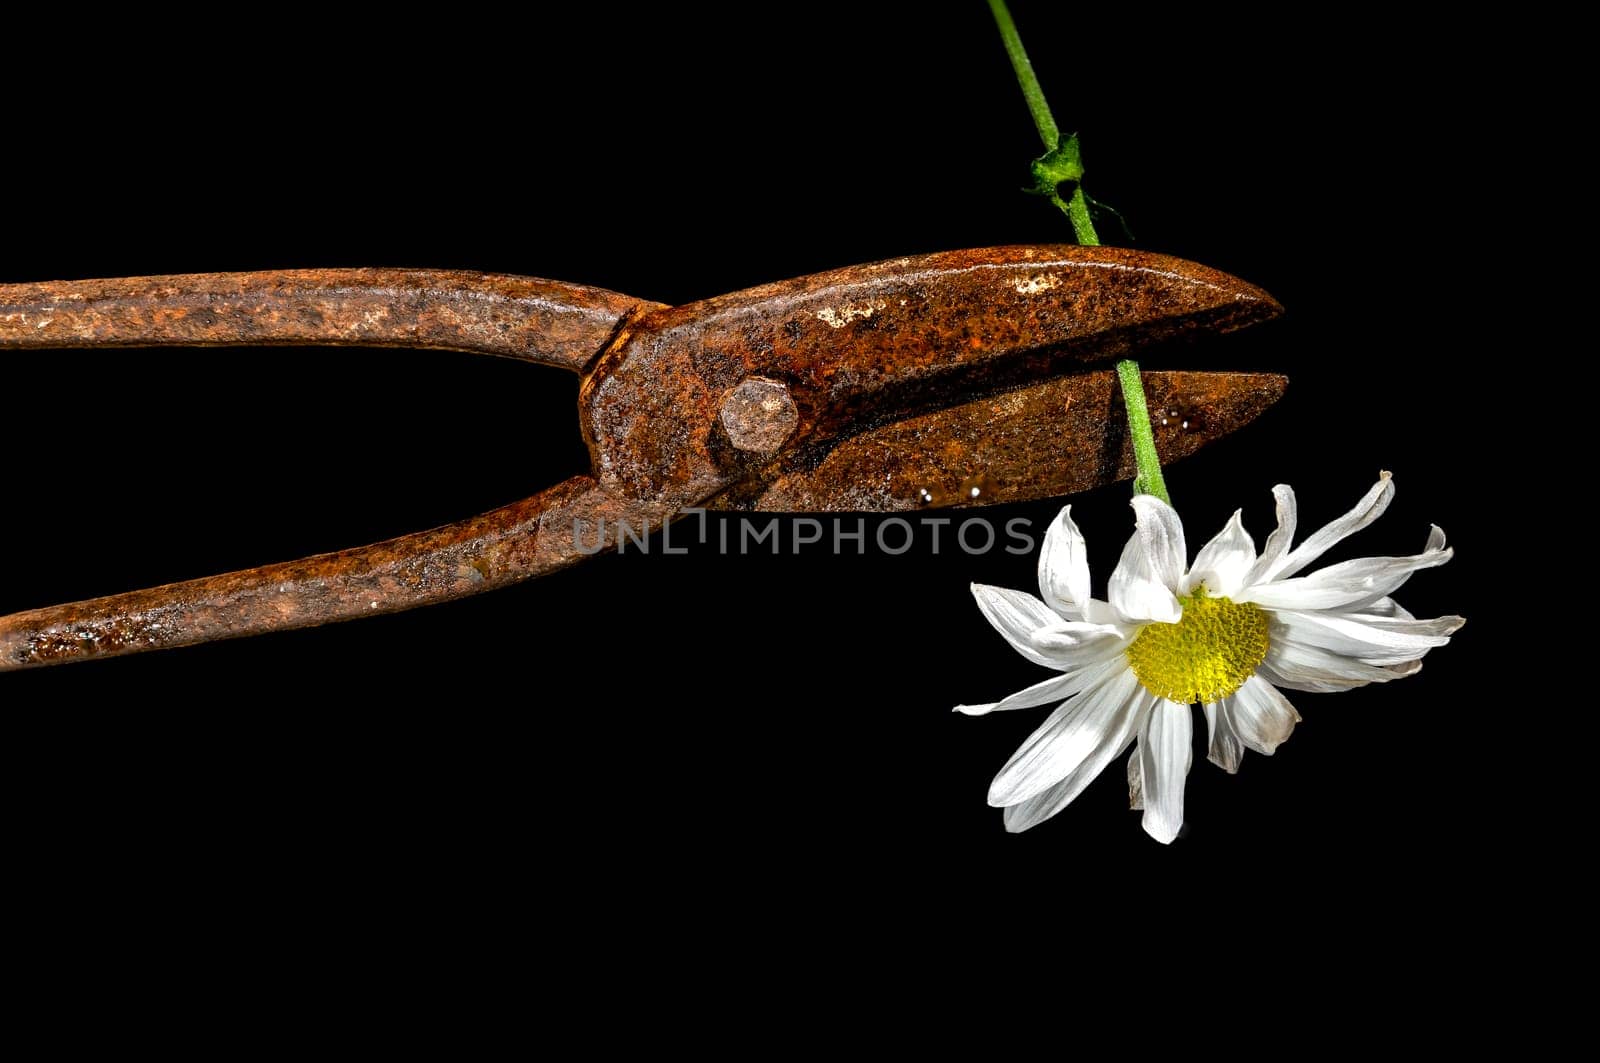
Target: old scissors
{"points": [[961, 378]]}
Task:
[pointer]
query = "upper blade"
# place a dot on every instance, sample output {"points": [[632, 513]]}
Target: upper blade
{"points": [[872, 340]]}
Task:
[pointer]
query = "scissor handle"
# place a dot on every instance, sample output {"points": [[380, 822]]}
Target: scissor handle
{"points": [[551, 530], [485, 313], [526, 318]]}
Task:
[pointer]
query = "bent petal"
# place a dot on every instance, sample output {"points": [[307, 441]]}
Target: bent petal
{"points": [[1064, 567], [1371, 639], [1164, 756], [1282, 537], [1261, 716], [1350, 585], [1224, 562], [1296, 667], [1226, 751], [1016, 615], [1369, 509], [1075, 741]]}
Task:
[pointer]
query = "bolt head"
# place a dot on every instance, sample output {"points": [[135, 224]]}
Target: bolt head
{"points": [[759, 415]]}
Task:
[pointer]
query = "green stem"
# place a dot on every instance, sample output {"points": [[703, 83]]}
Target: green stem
{"points": [[1076, 206], [1149, 480], [1077, 211], [1038, 106]]}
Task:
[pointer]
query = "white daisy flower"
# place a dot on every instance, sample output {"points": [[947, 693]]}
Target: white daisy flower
{"points": [[1227, 631]]}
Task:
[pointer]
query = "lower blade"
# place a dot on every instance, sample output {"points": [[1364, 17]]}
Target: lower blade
{"points": [[1046, 440]]}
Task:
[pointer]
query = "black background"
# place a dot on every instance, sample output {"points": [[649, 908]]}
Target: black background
{"points": [[701, 741]]}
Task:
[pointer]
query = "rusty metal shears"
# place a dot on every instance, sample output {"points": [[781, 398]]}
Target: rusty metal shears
{"points": [[880, 387]]}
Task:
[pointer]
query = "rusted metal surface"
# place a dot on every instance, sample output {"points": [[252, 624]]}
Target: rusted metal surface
{"points": [[538, 535], [1056, 438], [956, 378], [865, 345], [514, 317]]}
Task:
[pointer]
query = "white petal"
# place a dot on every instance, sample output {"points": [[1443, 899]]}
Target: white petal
{"points": [[1403, 621], [1016, 615], [1072, 640], [1296, 667], [1224, 562], [1300, 679], [1151, 569], [1261, 716], [1161, 531], [1164, 755], [1097, 612], [1226, 751], [1042, 806], [1056, 688], [1064, 567], [1374, 640], [1349, 585], [1369, 509], [1278, 543], [1384, 607], [1075, 741], [1135, 779]]}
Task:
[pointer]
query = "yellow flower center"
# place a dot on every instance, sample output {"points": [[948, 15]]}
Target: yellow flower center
{"points": [[1206, 655]]}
